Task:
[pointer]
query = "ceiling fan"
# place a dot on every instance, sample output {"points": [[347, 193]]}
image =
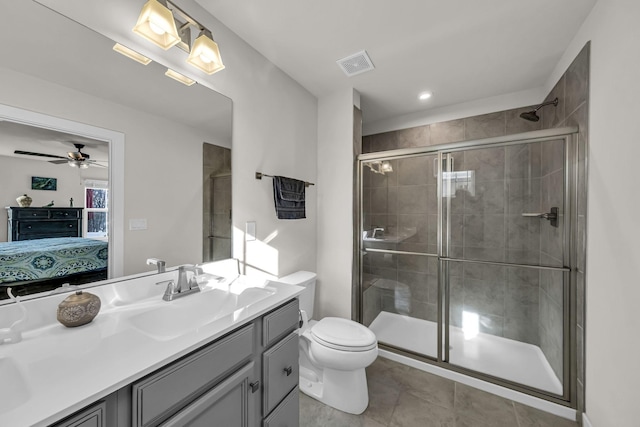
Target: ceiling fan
{"points": [[76, 159]]}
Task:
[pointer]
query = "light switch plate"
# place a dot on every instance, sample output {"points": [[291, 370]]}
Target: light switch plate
{"points": [[250, 231], [138, 224]]}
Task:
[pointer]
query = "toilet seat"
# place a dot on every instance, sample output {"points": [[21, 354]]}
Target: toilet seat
{"points": [[343, 334]]}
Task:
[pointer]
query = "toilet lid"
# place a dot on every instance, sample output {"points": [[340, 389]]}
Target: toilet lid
{"points": [[338, 332]]}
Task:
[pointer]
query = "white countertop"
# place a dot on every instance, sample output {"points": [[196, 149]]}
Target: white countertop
{"points": [[55, 371]]}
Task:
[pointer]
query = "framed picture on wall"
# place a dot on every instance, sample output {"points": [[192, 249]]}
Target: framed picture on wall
{"points": [[40, 183]]}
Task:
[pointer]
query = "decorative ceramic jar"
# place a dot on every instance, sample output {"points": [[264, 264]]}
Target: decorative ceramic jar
{"points": [[78, 309], [24, 201]]}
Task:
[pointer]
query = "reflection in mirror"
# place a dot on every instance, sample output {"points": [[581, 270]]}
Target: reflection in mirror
{"points": [[80, 60], [216, 206], [67, 215]]}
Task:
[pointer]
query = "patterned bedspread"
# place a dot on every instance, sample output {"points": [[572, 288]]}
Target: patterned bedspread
{"points": [[46, 258]]}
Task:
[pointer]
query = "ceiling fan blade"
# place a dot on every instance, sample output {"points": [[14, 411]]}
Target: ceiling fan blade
{"points": [[97, 165], [31, 153], [58, 162]]}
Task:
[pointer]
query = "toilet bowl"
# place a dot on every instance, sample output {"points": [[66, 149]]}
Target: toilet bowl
{"points": [[334, 353]]}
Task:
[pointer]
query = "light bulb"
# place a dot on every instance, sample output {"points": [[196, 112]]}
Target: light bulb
{"points": [[156, 28], [204, 58]]}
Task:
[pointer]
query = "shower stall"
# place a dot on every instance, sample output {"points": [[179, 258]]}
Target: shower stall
{"points": [[466, 256]]}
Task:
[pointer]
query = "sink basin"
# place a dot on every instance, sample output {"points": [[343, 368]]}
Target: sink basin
{"points": [[168, 320], [18, 393]]}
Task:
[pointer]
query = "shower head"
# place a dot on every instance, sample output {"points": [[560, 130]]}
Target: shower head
{"points": [[532, 115]]}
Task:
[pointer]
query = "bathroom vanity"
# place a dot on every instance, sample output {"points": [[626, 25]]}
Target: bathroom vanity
{"points": [[226, 356]]}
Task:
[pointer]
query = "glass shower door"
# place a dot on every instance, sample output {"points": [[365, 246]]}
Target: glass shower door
{"points": [[399, 252], [504, 258]]}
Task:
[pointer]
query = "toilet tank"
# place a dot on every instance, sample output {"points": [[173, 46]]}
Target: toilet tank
{"points": [[307, 280]]}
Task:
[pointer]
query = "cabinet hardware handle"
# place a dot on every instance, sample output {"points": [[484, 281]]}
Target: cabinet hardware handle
{"points": [[70, 225], [288, 370], [254, 386]]}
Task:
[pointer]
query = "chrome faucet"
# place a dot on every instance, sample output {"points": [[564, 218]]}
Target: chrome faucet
{"points": [[157, 262], [185, 285]]}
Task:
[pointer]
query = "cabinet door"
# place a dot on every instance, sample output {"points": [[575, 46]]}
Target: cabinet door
{"points": [[94, 416], [280, 371], [230, 404]]}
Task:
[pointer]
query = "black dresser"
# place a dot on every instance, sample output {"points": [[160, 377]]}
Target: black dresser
{"points": [[41, 223]]}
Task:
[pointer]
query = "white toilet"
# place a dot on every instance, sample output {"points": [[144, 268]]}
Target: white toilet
{"points": [[333, 353]]}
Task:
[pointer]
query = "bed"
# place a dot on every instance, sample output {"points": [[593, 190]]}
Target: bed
{"points": [[30, 266]]}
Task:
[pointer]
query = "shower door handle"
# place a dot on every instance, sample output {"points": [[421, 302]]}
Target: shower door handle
{"points": [[552, 216]]}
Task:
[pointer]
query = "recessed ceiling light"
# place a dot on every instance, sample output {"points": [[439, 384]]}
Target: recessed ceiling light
{"points": [[424, 96]]}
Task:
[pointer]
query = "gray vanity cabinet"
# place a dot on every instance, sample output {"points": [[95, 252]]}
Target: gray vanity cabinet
{"points": [[280, 367], [182, 385], [247, 378], [93, 416]]}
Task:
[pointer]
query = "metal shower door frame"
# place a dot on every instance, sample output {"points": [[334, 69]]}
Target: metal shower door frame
{"points": [[569, 242]]}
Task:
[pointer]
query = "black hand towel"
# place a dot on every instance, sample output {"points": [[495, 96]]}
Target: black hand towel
{"points": [[288, 195]]}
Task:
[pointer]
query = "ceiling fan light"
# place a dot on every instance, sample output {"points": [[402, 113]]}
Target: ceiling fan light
{"points": [[205, 54], [156, 24]]}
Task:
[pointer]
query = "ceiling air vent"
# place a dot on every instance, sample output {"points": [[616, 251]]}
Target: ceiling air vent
{"points": [[356, 64]]}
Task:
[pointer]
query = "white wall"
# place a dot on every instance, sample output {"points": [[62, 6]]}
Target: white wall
{"points": [[274, 132], [335, 204], [613, 270], [15, 176]]}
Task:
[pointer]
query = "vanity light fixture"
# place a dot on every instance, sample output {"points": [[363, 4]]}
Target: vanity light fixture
{"points": [[205, 54], [380, 167], [179, 77], [156, 24], [132, 54]]}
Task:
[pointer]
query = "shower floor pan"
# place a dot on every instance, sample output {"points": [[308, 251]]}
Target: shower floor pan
{"points": [[500, 357]]}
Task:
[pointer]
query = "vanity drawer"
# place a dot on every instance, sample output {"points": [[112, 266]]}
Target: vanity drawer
{"points": [[280, 371], [287, 414], [62, 227], [280, 322], [163, 393]]}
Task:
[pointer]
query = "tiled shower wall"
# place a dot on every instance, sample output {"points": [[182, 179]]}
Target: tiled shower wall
{"points": [[516, 303]]}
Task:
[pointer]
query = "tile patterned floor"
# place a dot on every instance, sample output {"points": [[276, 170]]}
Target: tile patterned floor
{"points": [[401, 396]]}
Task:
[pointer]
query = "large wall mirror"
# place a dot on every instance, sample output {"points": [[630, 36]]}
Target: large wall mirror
{"points": [[136, 117]]}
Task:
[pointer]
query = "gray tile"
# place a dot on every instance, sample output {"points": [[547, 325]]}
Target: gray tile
{"points": [[484, 231], [424, 310], [384, 141], [577, 83], [412, 411], [382, 401], [429, 387], [523, 233], [484, 297], [474, 404], [552, 157], [489, 198], [532, 417], [384, 200], [523, 161], [413, 199], [554, 116], [523, 196], [413, 137], [444, 132], [413, 263], [523, 330], [415, 171], [416, 283], [485, 126], [366, 144], [488, 163]]}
